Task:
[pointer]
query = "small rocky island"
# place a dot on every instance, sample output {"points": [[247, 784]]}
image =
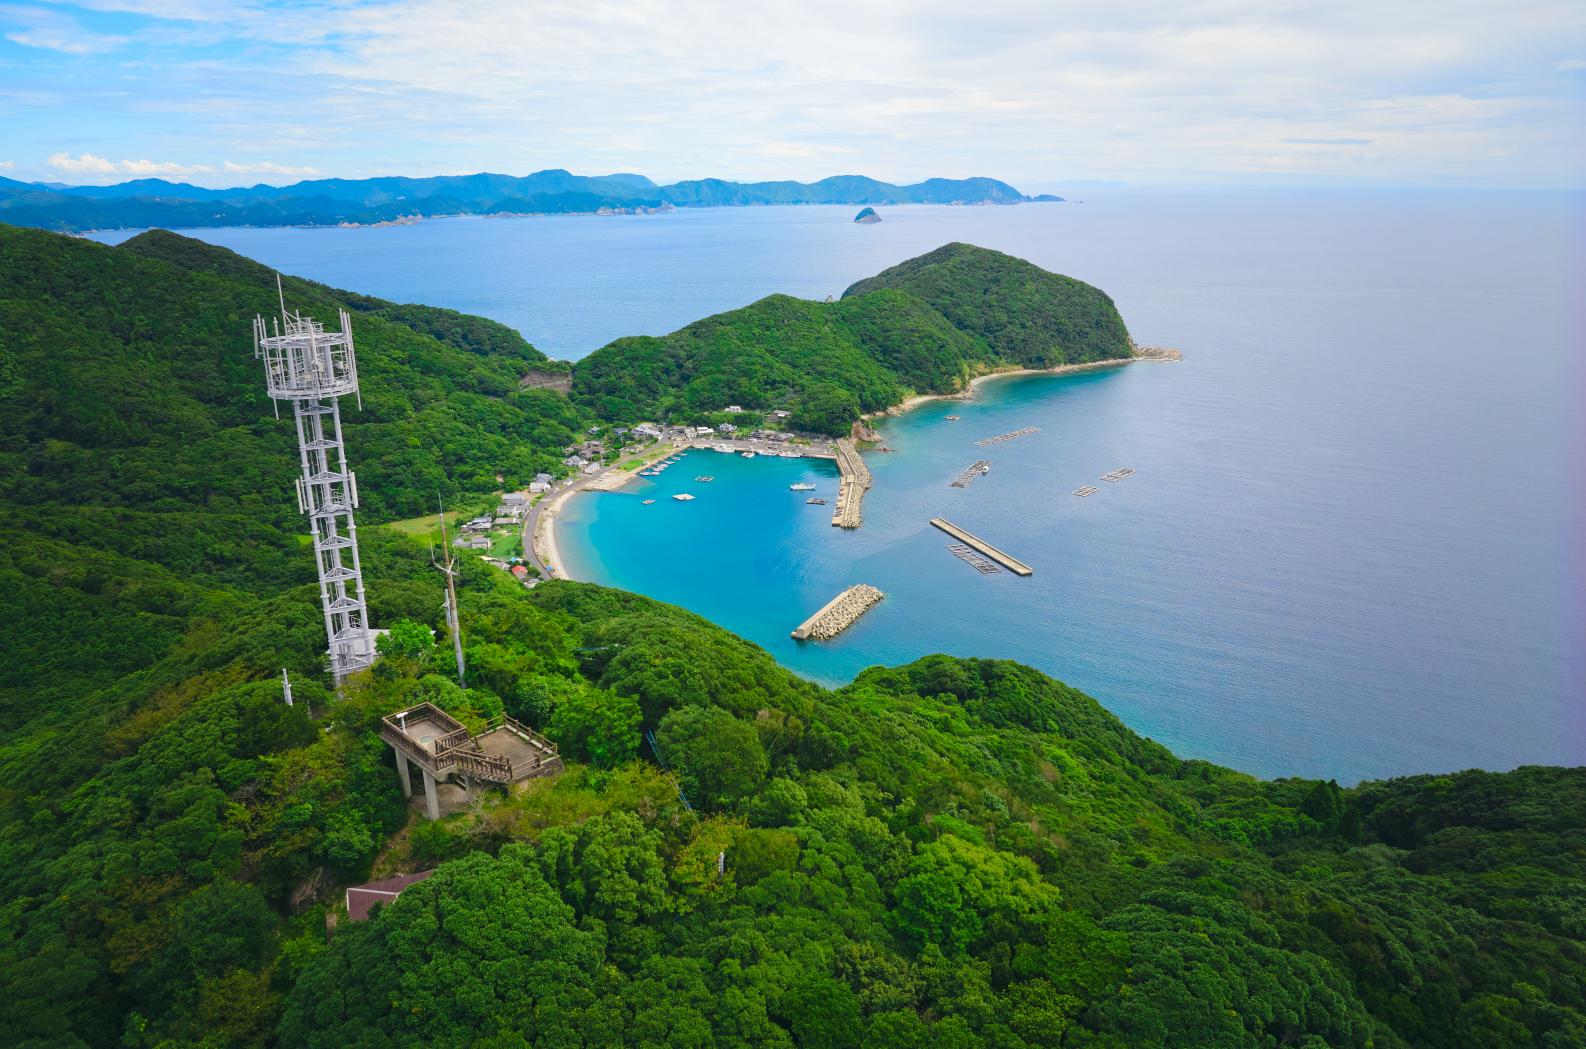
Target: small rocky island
{"points": [[867, 215]]}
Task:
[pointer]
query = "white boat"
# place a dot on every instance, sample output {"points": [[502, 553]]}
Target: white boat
{"points": [[682, 497], [647, 502], [747, 455], [802, 486], [725, 448]]}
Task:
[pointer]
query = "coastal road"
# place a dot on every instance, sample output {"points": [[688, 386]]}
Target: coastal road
{"points": [[531, 522]]}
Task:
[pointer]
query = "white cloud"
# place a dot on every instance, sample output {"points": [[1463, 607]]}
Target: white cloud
{"points": [[1146, 90], [93, 166], [7, 165], [265, 167], [98, 167], [53, 31]]}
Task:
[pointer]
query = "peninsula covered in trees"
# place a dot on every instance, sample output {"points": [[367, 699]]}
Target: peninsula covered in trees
{"points": [[928, 325], [330, 202], [956, 852]]}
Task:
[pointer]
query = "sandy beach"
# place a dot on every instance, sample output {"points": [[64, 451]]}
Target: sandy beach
{"points": [[608, 480], [969, 393]]}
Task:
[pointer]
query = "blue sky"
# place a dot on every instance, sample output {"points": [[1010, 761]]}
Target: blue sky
{"points": [[1410, 92]]}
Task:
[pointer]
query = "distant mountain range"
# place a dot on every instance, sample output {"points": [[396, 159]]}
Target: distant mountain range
{"points": [[333, 201]]}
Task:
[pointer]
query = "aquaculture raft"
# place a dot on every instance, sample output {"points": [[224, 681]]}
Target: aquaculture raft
{"points": [[1027, 431], [962, 480], [979, 562]]}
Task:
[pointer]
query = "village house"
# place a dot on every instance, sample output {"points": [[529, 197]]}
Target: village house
{"points": [[727, 428], [361, 899], [539, 486]]}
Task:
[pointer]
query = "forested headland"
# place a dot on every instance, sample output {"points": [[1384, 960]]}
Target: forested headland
{"points": [[957, 852], [928, 325]]}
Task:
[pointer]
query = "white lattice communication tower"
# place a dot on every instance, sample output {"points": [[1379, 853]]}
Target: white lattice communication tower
{"points": [[313, 368]]}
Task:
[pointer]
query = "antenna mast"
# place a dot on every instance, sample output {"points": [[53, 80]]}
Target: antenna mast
{"points": [[313, 368], [448, 568]]}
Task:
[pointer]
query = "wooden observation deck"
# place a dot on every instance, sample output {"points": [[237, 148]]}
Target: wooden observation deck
{"points": [[507, 751]]}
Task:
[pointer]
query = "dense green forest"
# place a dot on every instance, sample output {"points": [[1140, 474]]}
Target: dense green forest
{"points": [[956, 852], [926, 326]]}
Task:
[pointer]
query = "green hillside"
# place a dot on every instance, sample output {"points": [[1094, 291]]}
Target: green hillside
{"points": [[957, 852], [925, 326]]}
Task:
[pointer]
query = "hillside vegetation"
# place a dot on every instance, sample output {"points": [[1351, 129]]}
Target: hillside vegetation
{"points": [[925, 326], [956, 852]]}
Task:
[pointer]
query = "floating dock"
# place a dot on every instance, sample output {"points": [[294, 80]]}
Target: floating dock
{"points": [[1118, 474], [851, 490], [1085, 490], [1015, 435], [979, 562], [962, 480], [1012, 564], [838, 614]]}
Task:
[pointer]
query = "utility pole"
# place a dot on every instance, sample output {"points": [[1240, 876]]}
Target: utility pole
{"points": [[448, 568]]}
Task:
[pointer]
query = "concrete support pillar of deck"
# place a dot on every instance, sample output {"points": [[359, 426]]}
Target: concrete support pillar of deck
{"points": [[431, 803], [403, 773]]}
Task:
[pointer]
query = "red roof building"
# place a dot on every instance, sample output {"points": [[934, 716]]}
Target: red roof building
{"points": [[362, 898]]}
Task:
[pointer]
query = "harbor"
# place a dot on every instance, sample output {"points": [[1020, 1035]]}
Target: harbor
{"points": [[1007, 561], [838, 614]]}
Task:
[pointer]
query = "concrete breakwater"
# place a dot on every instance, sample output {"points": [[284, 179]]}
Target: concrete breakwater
{"points": [[1007, 561], [839, 613], [851, 490]]}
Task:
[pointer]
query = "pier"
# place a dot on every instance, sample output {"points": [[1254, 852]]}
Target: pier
{"points": [[1007, 561], [838, 614], [851, 490], [1015, 435], [962, 480]]}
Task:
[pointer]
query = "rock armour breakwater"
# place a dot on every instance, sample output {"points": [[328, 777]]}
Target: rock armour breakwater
{"points": [[839, 613], [851, 491]]}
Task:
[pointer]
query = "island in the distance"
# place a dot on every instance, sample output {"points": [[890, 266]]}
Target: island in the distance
{"points": [[373, 201], [867, 216]]}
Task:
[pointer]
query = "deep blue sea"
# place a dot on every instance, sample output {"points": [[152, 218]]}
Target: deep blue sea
{"points": [[1355, 541]]}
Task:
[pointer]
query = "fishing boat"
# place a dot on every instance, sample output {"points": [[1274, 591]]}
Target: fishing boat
{"points": [[952, 418], [705, 478], [802, 486], [682, 497], [647, 502], [817, 501], [747, 455]]}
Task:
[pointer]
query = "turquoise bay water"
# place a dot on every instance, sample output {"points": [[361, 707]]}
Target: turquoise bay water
{"points": [[1353, 545]]}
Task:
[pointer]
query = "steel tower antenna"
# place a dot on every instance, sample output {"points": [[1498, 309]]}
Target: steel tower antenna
{"points": [[313, 369]]}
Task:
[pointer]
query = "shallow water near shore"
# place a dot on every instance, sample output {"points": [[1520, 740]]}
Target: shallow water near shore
{"points": [[1353, 543]]}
